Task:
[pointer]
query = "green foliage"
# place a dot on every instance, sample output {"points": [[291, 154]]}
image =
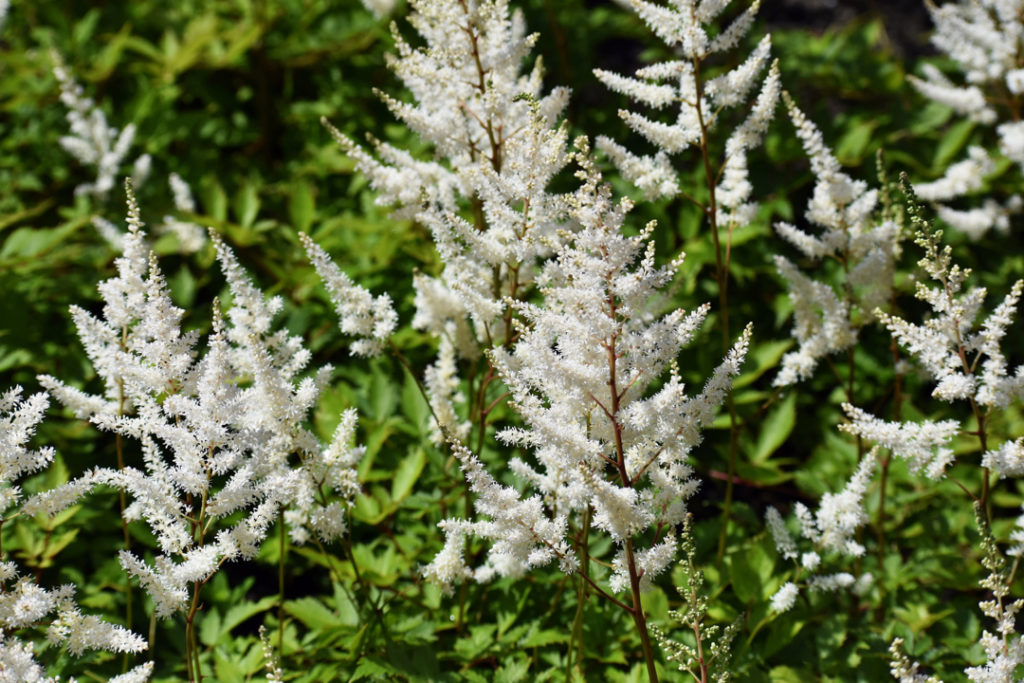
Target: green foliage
{"points": [[228, 94]]}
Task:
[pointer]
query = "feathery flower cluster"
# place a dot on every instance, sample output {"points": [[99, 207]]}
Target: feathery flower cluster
{"points": [[832, 530], [23, 603], [93, 141], [951, 348], [984, 38], [371, 319], [220, 434], [844, 208], [683, 24], [499, 146], [578, 376]]}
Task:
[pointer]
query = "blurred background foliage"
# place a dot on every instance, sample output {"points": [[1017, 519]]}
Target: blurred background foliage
{"points": [[229, 94]]}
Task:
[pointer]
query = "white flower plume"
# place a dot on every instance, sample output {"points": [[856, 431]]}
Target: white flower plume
{"points": [[579, 376], [700, 102], [24, 604], [220, 432], [827, 319]]}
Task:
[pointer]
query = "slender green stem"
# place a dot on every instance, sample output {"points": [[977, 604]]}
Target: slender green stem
{"points": [[576, 639], [280, 586]]}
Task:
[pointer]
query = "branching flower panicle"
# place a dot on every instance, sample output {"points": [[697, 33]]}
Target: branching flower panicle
{"points": [[220, 432], [827, 321], [831, 532], [485, 197], [951, 347], [93, 141], [579, 376], [684, 24], [984, 39], [23, 603]]}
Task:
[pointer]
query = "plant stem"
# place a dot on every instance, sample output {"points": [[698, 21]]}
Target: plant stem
{"points": [[722, 279], [638, 613], [576, 639], [280, 587], [195, 673]]}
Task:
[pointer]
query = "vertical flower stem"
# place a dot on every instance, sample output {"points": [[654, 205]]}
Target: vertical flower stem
{"points": [[122, 504], [722, 260], [576, 638], [638, 613], [195, 673], [637, 609], [280, 587]]}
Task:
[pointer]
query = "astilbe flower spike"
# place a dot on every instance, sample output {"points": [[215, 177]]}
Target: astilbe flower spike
{"points": [[950, 346], [701, 101], [606, 445], [828, 533], [984, 39], [221, 432], [828, 321], [23, 603], [485, 196], [93, 141]]}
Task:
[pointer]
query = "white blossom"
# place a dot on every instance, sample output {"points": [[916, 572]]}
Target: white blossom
{"points": [[684, 26], [579, 376], [221, 432], [784, 598], [960, 179], [360, 314], [24, 604], [485, 197], [843, 209], [832, 531], [93, 141], [925, 445]]}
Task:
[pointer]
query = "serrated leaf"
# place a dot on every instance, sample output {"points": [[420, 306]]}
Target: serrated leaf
{"points": [[371, 668], [544, 637], [512, 671], [313, 613]]}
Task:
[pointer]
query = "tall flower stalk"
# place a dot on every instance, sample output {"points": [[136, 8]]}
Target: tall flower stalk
{"points": [[607, 445], [485, 197], [221, 433], [689, 27]]}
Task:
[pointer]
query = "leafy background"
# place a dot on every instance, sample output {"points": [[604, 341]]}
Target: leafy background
{"points": [[228, 94]]}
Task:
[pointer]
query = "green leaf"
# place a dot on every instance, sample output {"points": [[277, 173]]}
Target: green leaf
{"points": [[852, 147], [243, 611], [215, 200], [313, 613], [246, 205], [544, 637], [407, 473], [785, 674], [952, 142], [775, 429], [749, 571], [512, 671], [371, 668], [301, 205]]}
